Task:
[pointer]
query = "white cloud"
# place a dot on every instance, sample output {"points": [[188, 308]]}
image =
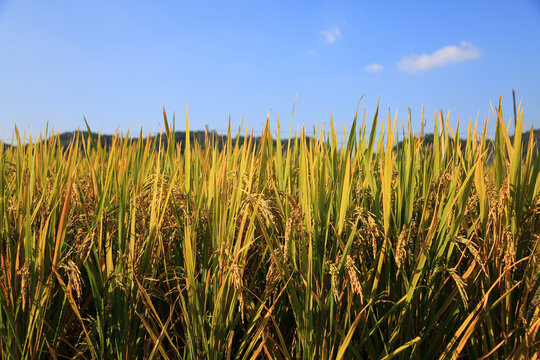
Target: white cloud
{"points": [[373, 68], [444, 56], [312, 52], [331, 35]]}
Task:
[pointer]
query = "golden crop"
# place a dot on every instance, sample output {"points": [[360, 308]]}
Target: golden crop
{"points": [[281, 249]]}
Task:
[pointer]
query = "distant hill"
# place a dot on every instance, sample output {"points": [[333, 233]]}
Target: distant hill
{"points": [[428, 139], [199, 136], [180, 138]]}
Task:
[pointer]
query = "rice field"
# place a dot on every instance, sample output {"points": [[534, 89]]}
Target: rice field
{"points": [[278, 249]]}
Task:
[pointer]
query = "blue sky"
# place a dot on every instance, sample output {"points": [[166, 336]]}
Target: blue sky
{"points": [[119, 62]]}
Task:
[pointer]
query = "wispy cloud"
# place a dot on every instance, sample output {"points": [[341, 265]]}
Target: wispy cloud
{"points": [[444, 56], [312, 52], [373, 68], [331, 35]]}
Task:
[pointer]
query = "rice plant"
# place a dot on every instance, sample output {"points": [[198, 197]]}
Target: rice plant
{"points": [[386, 247]]}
